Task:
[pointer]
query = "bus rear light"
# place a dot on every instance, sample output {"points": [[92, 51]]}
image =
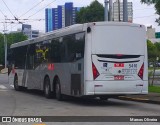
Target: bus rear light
{"points": [[51, 67], [95, 71], [119, 55], [141, 71]]}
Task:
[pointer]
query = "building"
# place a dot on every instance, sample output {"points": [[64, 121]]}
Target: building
{"points": [[56, 18], [152, 35], [35, 33], [150, 32], [27, 30], [117, 7], [157, 34]]}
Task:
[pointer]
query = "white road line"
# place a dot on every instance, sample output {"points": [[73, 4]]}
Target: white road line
{"points": [[3, 87], [12, 86], [3, 90]]}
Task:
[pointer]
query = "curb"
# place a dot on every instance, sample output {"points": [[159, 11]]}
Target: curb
{"points": [[138, 100], [4, 71]]}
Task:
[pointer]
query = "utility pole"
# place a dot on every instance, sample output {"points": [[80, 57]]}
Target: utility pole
{"points": [[125, 10], [5, 42], [119, 11], [110, 10], [106, 10]]}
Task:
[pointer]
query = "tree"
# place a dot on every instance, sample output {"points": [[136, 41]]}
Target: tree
{"points": [[92, 13], [152, 51], [157, 7], [11, 38]]}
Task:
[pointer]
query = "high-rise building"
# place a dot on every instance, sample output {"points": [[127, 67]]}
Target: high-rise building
{"points": [[27, 30], [117, 7], [56, 18]]}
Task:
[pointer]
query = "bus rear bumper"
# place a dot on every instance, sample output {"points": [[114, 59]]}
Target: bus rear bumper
{"points": [[116, 87]]}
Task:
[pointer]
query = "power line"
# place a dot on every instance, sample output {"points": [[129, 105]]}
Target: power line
{"points": [[24, 19], [9, 10], [142, 9], [2, 12], [144, 16], [31, 8], [41, 9], [27, 12]]}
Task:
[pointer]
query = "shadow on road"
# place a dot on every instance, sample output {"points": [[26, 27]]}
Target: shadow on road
{"points": [[79, 101]]}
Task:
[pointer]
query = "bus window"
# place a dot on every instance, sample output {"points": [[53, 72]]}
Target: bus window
{"points": [[30, 56], [57, 51], [42, 52], [20, 56]]}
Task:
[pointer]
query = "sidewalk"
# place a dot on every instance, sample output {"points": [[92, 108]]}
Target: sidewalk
{"points": [[149, 98], [4, 71]]}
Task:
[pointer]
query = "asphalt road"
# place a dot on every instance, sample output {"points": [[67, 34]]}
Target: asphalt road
{"points": [[33, 103]]}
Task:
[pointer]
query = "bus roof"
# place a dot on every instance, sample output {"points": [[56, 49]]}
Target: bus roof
{"points": [[53, 34], [70, 30]]}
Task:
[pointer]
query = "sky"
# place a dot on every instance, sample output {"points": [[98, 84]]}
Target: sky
{"points": [[34, 11]]}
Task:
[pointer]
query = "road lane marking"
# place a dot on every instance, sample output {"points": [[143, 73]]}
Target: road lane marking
{"points": [[40, 124], [133, 98], [12, 86], [2, 90], [3, 87]]}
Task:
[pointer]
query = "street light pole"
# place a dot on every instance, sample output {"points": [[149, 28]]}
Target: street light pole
{"points": [[119, 11], [110, 10], [106, 10], [125, 11], [5, 43]]}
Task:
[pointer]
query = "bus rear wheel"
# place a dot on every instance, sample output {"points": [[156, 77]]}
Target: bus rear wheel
{"points": [[103, 98], [47, 88], [58, 91], [16, 86]]}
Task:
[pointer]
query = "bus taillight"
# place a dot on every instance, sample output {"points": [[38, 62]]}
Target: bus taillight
{"points": [[95, 71], [50, 66], [140, 73]]}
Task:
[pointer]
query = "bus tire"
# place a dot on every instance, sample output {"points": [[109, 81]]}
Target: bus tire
{"points": [[103, 98], [16, 86], [47, 88], [58, 91]]}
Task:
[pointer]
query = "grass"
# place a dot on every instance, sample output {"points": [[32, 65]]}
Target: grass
{"points": [[155, 89], [151, 68]]}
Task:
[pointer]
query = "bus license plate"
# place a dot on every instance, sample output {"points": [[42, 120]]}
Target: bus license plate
{"points": [[118, 77]]}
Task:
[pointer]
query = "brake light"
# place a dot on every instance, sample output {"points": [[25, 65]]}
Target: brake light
{"points": [[50, 66], [140, 73], [95, 71]]}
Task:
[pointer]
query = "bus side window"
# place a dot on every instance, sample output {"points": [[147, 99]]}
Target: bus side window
{"points": [[56, 50], [42, 52], [19, 57], [79, 45], [30, 56]]}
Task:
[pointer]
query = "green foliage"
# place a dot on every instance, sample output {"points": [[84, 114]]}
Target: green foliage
{"points": [[92, 13], [157, 7], [11, 38], [152, 51], [155, 89]]}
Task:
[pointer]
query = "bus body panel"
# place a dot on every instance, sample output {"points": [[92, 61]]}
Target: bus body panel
{"points": [[107, 42], [103, 42], [115, 88]]}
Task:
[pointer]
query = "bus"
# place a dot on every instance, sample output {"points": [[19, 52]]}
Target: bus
{"points": [[99, 59]]}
